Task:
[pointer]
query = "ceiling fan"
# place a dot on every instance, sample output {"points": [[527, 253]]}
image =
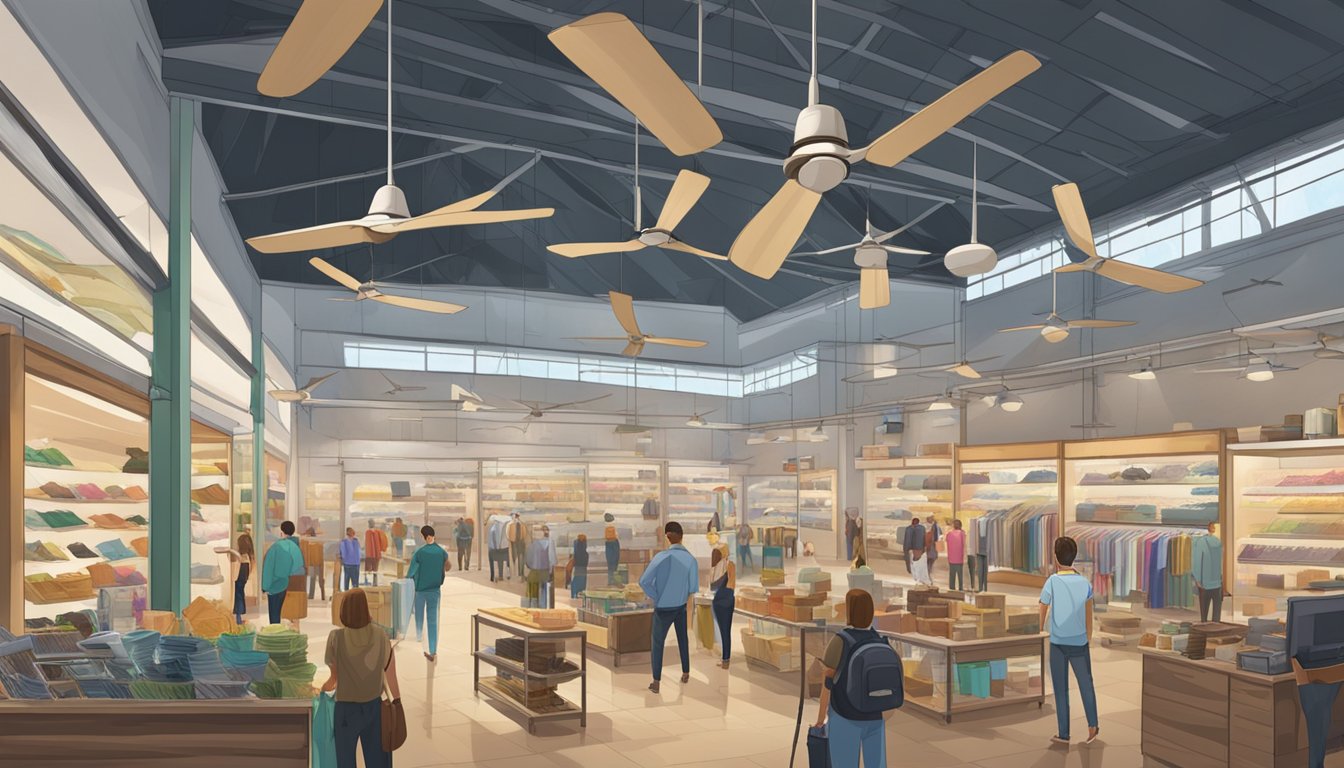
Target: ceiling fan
{"points": [[870, 256], [1069, 202], [623, 305], [1322, 345], [821, 156], [321, 32], [398, 388], [1055, 328], [631, 426], [973, 258], [300, 395], [370, 290], [698, 419], [389, 215], [1257, 368], [537, 409], [612, 51], [471, 402]]}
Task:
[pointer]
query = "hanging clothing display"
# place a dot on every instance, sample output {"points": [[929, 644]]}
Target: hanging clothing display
{"points": [[1020, 538], [1129, 559]]}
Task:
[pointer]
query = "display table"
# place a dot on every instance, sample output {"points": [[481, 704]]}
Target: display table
{"points": [[526, 681], [947, 677], [620, 634], [761, 654], [1207, 713], [73, 733]]}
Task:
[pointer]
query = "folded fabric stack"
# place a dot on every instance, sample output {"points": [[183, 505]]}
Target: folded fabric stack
{"points": [[166, 690], [141, 646], [105, 643], [22, 686], [62, 519], [206, 574], [211, 494], [204, 533], [1041, 476], [974, 478], [43, 589], [43, 552], [1306, 528], [109, 521], [1263, 553], [141, 546], [115, 549], [46, 457], [78, 549], [289, 674], [1197, 513], [211, 619]]}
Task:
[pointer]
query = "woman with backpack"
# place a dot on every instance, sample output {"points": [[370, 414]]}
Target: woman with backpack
{"points": [[862, 684]]}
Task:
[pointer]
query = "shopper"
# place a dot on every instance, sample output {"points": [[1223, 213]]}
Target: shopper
{"points": [[283, 560], [1066, 599], [723, 583], [375, 544], [744, 536], [312, 562], [851, 532], [1206, 565], [349, 560], [851, 733], [541, 562], [427, 567], [360, 658], [497, 544], [912, 541], [241, 560], [578, 581], [613, 549], [917, 537], [463, 535], [669, 581], [398, 531], [517, 533], [982, 548], [932, 535], [956, 556]]}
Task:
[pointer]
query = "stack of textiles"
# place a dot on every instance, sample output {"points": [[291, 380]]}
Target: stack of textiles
{"points": [[1138, 559], [1311, 529], [1087, 511], [141, 646], [289, 675], [1266, 553], [46, 457], [115, 549], [43, 552], [1191, 513], [61, 520], [1020, 538]]}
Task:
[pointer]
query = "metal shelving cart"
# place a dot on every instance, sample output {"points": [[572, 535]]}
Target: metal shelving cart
{"points": [[518, 680]]}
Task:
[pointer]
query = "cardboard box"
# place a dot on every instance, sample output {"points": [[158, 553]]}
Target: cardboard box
{"points": [[796, 612], [810, 600], [932, 610], [777, 592], [996, 688], [883, 452], [916, 686], [934, 449], [896, 621], [965, 630], [1308, 575], [1256, 606]]}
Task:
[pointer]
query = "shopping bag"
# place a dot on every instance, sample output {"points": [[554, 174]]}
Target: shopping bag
{"points": [[324, 732], [818, 748]]}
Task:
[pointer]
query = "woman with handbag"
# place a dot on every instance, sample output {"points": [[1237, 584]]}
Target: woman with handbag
{"points": [[362, 666]]}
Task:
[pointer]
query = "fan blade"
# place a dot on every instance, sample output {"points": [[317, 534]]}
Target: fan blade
{"points": [[965, 370], [1080, 266], [1069, 203], [874, 288], [288, 395], [1099, 323], [951, 108], [434, 220], [318, 237], [688, 343], [763, 245], [1296, 336], [837, 249], [1146, 277], [423, 305], [576, 250], [1220, 370], [686, 190], [910, 251], [321, 32], [624, 307], [326, 268], [1022, 328], [613, 52], [633, 349], [677, 245], [315, 381], [599, 338]]}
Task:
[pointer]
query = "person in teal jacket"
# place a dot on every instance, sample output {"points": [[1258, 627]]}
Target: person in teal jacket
{"points": [[427, 567], [1206, 565], [283, 560]]}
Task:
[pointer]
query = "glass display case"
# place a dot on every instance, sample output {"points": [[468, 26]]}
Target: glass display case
{"points": [[450, 496], [696, 493], [947, 677], [543, 493], [1288, 519], [894, 491], [816, 499], [630, 493], [1134, 506], [772, 509], [1014, 490], [211, 514]]}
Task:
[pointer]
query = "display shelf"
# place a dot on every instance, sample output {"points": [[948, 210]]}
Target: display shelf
{"points": [[772, 508], [530, 692], [695, 493], [898, 491], [1015, 490], [632, 494], [540, 493], [948, 677], [817, 499]]}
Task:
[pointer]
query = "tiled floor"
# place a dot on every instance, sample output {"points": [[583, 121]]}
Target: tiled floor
{"points": [[721, 719]]}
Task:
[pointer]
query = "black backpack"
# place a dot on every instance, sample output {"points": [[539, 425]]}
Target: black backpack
{"points": [[870, 679]]}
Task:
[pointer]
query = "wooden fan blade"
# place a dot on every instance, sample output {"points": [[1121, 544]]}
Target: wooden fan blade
{"points": [[613, 52], [577, 250], [965, 370], [624, 307], [837, 249], [316, 380], [461, 218], [1022, 328], [1146, 277], [874, 288], [763, 245], [687, 343], [339, 276], [910, 251], [424, 305], [951, 108], [1100, 323], [318, 237], [686, 191], [1069, 203], [677, 245], [599, 338], [321, 32], [633, 349], [1082, 266]]}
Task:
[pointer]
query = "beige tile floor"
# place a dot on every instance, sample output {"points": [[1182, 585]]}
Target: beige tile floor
{"points": [[721, 719]]}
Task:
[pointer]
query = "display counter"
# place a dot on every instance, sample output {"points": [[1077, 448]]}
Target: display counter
{"points": [[156, 734], [620, 634], [1209, 714], [948, 677]]}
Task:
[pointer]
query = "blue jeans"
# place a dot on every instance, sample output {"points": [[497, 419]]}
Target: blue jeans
{"points": [[1080, 658], [579, 583], [663, 620], [1318, 699], [273, 604], [360, 723], [847, 738], [350, 575], [724, 603], [427, 602], [954, 576], [744, 557], [613, 553]]}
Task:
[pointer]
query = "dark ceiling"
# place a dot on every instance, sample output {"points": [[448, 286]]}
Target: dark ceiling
{"points": [[1134, 98]]}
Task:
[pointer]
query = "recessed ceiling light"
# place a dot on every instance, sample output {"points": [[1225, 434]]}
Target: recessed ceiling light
{"points": [[1144, 374], [941, 404], [1009, 402]]}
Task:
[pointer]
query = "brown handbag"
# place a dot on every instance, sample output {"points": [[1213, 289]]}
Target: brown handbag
{"points": [[394, 721]]}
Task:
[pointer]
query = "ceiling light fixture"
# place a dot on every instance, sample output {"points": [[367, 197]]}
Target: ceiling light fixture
{"points": [[1009, 401], [1144, 374], [1054, 330], [1259, 371], [695, 421], [818, 435], [943, 403]]}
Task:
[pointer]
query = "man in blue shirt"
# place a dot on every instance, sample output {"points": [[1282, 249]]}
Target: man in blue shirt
{"points": [[1067, 599], [427, 567], [349, 560], [669, 581], [283, 560], [1206, 565], [498, 546], [540, 560]]}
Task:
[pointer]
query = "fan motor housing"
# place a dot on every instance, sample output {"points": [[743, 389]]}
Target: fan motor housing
{"points": [[654, 237], [818, 159], [870, 257], [970, 259], [390, 201]]}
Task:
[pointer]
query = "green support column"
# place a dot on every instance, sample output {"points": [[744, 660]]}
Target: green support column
{"points": [[170, 393], [261, 486]]}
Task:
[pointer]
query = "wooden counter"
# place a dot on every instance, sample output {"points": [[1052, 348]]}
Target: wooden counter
{"points": [[1208, 713], [80, 733]]}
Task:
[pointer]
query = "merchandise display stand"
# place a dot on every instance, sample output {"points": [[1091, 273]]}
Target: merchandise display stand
{"points": [[971, 675], [894, 491], [693, 497], [1018, 487], [773, 643], [528, 674], [1210, 714], [816, 503], [211, 514], [772, 509], [212, 734], [627, 633]]}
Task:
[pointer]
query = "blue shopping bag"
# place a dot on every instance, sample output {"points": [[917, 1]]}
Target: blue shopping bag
{"points": [[818, 748], [324, 732]]}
